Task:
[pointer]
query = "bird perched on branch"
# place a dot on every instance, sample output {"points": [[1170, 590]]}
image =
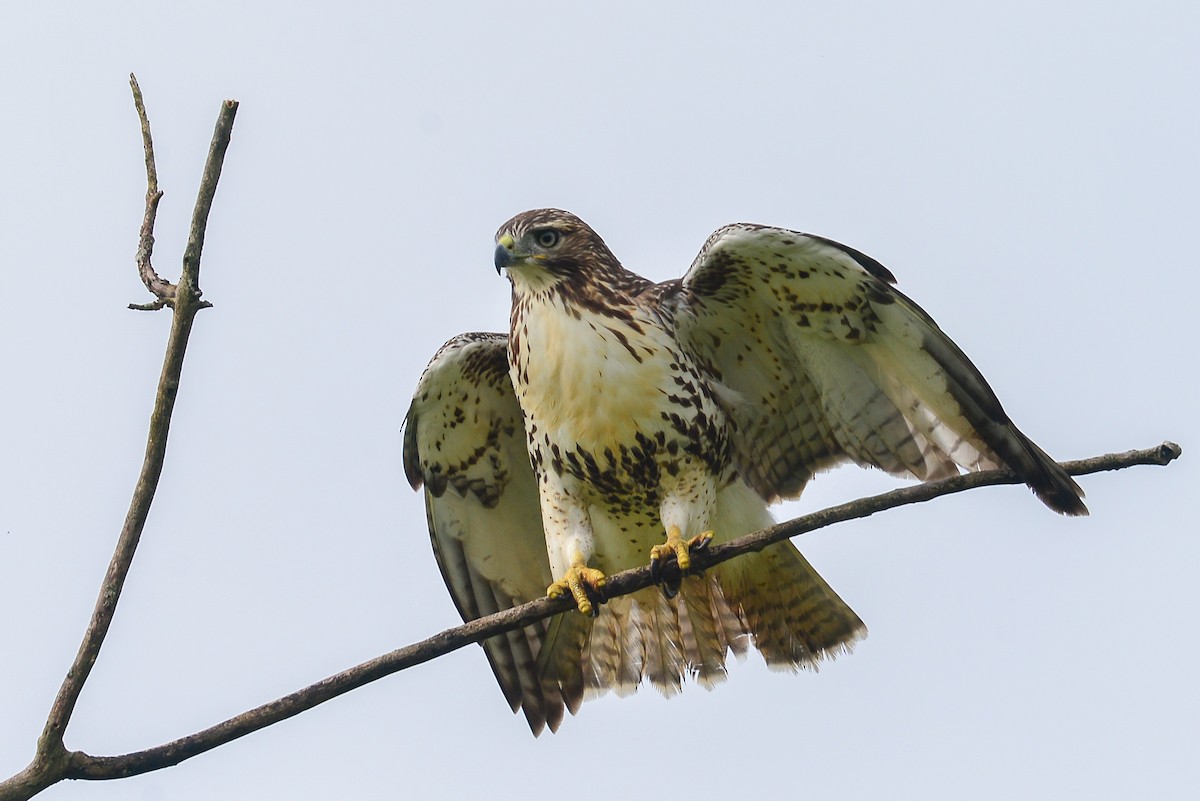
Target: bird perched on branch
{"points": [[621, 420]]}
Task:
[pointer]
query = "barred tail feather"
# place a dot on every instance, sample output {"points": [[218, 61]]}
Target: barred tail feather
{"points": [[792, 614], [774, 599]]}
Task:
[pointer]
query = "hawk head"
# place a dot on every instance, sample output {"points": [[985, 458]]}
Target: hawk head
{"points": [[547, 248]]}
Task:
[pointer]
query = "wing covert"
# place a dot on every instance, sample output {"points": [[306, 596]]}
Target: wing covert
{"points": [[826, 362]]}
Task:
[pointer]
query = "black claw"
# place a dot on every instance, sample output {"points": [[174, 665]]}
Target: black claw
{"points": [[596, 595], [658, 571]]}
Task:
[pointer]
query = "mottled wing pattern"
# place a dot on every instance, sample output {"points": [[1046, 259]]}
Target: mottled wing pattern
{"points": [[465, 442], [827, 362]]}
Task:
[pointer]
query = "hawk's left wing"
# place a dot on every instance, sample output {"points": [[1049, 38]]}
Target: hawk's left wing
{"points": [[827, 363], [465, 441]]}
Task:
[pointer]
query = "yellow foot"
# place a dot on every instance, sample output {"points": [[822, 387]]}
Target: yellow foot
{"points": [[586, 586], [681, 551]]}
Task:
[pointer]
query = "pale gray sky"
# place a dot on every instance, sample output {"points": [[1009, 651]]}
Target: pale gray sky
{"points": [[1029, 171]]}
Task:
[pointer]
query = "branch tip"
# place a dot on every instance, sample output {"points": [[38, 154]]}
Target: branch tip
{"points": [[153, 305]]}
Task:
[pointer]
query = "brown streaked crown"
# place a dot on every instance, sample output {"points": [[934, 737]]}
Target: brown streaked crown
{"points": [[588, 270]]}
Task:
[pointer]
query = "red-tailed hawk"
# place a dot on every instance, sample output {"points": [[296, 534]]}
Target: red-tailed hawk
{"points": [[621, 420]]}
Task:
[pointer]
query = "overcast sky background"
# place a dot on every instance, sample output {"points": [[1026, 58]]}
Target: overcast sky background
{"points": [[1029, 171]]}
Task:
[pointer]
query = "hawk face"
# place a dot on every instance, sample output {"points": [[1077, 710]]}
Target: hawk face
{"points": [[547, 248]]}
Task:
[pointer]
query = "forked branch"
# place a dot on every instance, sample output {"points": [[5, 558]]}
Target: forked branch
{"points": [[51, 761]]}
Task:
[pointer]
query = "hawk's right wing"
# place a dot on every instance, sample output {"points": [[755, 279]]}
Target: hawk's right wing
{"points": [[464, 439], [830, 363]]}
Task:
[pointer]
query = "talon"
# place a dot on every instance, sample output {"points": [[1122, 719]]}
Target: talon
{"points": [[678, 549], [586, 586]]}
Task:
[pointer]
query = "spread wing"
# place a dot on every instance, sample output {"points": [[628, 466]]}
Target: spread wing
{"points": [[827, 363], [464, 440]]}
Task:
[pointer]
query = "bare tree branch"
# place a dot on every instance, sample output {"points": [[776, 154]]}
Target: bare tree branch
{"points": [[163, 291], [83, 766], [51, 760]]}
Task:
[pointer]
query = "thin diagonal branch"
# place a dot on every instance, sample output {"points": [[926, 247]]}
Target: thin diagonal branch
{"points": [[1161, 455], [84, 766], [51, 758]]}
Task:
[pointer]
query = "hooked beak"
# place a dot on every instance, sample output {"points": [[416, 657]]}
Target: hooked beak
{"points": [[504, 252]]}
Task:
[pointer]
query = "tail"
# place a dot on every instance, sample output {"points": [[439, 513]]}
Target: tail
{"points": [[793, 616], [645, 637], [773, 599]]}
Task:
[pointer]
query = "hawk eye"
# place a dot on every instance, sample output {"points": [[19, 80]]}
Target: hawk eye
{"points": [[547, 237]]}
